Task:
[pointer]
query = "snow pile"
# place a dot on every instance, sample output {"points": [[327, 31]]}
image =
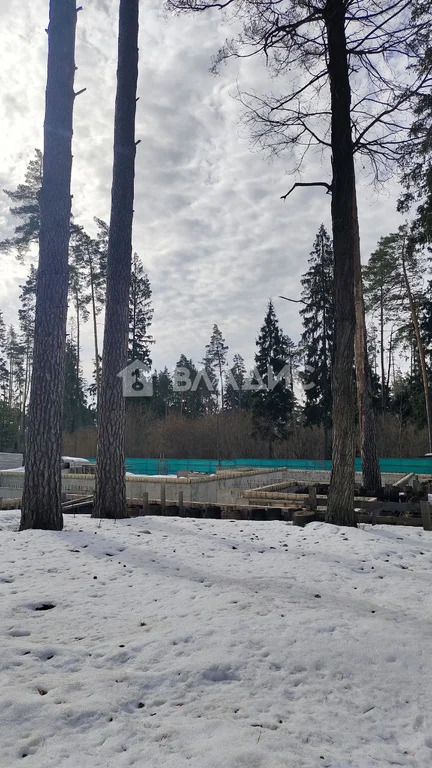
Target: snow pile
{"points": [[168, 643]]}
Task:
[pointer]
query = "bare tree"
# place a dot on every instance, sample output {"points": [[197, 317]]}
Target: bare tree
{"points": [[41, 507], [110, 496], [345, 99]]}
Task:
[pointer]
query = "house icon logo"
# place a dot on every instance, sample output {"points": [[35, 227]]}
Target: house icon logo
{"points": [[136, 380]]}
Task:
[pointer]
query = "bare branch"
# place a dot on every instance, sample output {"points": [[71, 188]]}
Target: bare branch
{"points": [[308, 184]]}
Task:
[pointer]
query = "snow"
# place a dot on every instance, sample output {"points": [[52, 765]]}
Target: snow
{"points": [[75, 460], [14, 470], [214, 644]]}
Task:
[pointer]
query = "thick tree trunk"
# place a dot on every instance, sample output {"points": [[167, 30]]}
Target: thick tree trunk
{"points": [[370, 464], [41, 507], [420, 347], [340, 509], [110, 496]]}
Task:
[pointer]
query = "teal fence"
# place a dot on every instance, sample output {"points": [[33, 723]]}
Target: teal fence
{"points": [[421, 466]]}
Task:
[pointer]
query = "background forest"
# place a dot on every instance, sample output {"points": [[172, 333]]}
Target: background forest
{"points": [[234, 419]]}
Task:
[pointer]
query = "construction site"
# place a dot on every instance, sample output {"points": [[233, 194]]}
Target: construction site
{"points": [[283, 493]]}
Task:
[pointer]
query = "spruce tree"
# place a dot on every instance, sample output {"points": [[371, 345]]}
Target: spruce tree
{"points": [[317, 337], [235, 395], [272, 406], [163, 395], [76, 411], [188, 398], [140, 313]]}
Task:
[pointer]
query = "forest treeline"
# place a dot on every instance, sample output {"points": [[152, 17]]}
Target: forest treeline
{"points": [[222, 409]]}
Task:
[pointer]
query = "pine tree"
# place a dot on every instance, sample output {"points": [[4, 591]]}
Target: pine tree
{"points": [[110, 486], [79, 295], [215, 359], [25, 206], [26, 315], [382, 279], [88, 257], [272, 405], [41, 503], [317, 337], [15, 362], [140, 313], [4, 373]]}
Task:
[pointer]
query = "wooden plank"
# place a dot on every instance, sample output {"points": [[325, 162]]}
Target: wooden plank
{"points": [[403, 480], [313, 497], [425, 510]]}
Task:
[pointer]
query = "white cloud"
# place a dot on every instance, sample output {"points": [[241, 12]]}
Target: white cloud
{"points": [[209, 223]]}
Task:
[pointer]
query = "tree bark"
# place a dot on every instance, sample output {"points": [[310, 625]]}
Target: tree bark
{"points": [[371, 473], [340, 509], [41, 506], [420, 346], [110, 494]]}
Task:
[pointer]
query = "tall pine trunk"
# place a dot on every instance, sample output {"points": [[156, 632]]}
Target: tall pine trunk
{"points": [[41, 506], [371, 473], [95, 334], [110, 496], [340, 509]]}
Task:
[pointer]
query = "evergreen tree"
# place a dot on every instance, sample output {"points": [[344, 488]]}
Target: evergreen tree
{"points": [[76, 411], [317, 337], [88, 259], [190, 396], [272, 406], [9, 427], [235, 395], [383, 292], [215, 359], [25, 207], [140, 313], [26, 315], [163, 395], [15, 358], [4, 373]]}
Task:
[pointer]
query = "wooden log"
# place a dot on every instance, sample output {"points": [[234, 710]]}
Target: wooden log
{"points": [[163, 498], [145, 503], [403, 480], [304, 517], [425, 510]]}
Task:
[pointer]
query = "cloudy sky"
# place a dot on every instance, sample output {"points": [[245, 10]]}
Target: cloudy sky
{"points": [[215, 237]]}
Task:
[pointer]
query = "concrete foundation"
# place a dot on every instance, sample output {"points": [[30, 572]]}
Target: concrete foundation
{"points": [[222, 488]]}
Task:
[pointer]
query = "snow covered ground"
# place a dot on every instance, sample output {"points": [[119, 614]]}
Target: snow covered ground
{"points": [[210, 644]]}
